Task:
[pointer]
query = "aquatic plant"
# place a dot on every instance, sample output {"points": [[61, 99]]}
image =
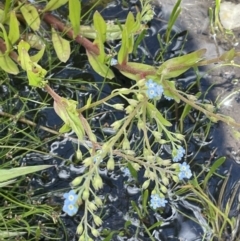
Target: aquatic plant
{"points": [[149, 87]]}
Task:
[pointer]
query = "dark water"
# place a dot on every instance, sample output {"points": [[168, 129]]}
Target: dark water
{"points": [[77, 80]]}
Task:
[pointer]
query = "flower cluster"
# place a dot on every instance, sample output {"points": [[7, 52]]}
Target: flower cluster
{"points": [[70, 204], [157, 201], [178, 154], [154, 90], [185, 171]]}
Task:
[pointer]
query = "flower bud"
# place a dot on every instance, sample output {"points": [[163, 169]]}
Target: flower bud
{"points": [[175, 178], [92, 206], [157, 135], [163, 189], [110, 163], [140, 97], [124, 91], [79, 229], [165, 180], [140, 124], [136, 166], [180, 137], [94, 232], [145, 184], [85, 194], [133, 102], [118, 106], [116, 125], [97, 220], [141, 82], [88, 161], [129, 109], [98, 201], [77, 181], [97, 182], [79, 155], [126, 144], [82, 238]]}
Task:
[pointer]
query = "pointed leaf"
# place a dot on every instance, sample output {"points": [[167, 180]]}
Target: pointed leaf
{"points": [[176, 66], [13, 34], [123, 52], [99, 67], [54, 4], [6, 174], [31, 16], [24, 57], [8, 47], [61, 46], [8, 65], [65, 128], [38, 56], [74, 15], [100, 26], [213, 168], [228, 56]]}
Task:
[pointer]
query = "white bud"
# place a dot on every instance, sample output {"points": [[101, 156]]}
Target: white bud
{"points": [[146, 184], [118, 106], [110, 163]]}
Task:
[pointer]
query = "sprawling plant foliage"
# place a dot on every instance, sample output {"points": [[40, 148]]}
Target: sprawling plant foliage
{"points": [[150, 85]]}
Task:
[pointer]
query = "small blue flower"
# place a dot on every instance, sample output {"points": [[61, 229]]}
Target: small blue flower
{"points": [[178, 154], [113, 62], [185, 171], [71, 196], [150, 84], [70, 208], [159, 90], [154, 90], [157, 201], [151, 93], [70, 204]]}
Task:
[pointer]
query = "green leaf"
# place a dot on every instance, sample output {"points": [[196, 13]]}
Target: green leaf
{"points": [[14, 33], [54, 4], [228, 56], [213, 168], [8, 47], [9, 234], [66, 110], [39, 55], [99, 67], [8, 65], [176, 66], [74, 15], [154, 113], [31, 16], [24, 57], [168, 86], [132, 171], [138, 66], [4, 184], [7, 174], [61, 46], [123, 52], [100, 26], [65, 128]]}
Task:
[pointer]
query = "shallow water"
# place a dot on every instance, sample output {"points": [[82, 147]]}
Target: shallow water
{"points": [[120, 189]]}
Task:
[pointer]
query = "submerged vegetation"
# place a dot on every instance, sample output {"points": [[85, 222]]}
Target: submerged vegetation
{"points": [[136, 131]]}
